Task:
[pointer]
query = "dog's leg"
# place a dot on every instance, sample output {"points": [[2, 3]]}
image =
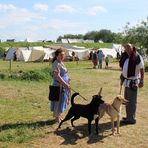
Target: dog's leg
{"points": [[68, 116], [113, 126], [89, 126], [118, 124], [75, 118], [96, 122], [60, 124]]}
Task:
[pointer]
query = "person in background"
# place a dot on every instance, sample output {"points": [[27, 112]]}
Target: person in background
{"points": [[106, 61], [60, 78], [95, 59], [132, 77], [100, 58], [73, 56], [90, 55]]}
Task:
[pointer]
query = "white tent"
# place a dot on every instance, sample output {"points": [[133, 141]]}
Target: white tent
{"points": [[80, 53], [88, 41], [39, 53], [75, 46], [30, 54], [109, 52], [75, 40], [118, 47], [48, 53], [64, 40], [23, 54]]}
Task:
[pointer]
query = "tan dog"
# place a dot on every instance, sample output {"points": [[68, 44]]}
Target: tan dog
{"points": [[113, 110]]}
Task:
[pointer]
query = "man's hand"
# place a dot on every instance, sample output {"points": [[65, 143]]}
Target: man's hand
{"points": [[141, 84]]}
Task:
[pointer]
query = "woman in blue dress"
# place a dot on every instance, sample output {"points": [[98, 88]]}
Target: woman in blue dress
{"points": [[60, 78]]}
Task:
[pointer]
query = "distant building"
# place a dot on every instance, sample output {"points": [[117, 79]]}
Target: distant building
{"points": [[10, 40], [88, 41], [100, 41], [76, 41], [64, 40], [28, 40]]}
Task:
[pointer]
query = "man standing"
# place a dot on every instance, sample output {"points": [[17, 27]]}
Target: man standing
{"points": [[100, 58], [132, 77], [95, 59]]}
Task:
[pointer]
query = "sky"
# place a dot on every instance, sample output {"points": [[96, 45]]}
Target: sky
{"points": [[49, 19]]}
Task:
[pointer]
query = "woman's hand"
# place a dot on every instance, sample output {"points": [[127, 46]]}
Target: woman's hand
{"points": [[67, 86], [69, 80]]}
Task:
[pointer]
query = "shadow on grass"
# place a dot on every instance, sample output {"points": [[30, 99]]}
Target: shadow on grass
{"points": [[71, 135], [37, 124]]}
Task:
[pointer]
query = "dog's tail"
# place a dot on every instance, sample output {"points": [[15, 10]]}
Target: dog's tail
{"points": [[73, 96]]}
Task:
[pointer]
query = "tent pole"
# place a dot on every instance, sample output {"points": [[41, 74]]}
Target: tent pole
{"points": [[10, 62]]}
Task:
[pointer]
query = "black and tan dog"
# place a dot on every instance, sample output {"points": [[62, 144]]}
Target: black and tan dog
{"points": [[87, 111]]}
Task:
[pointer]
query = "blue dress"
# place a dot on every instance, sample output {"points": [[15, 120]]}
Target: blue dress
{"points": [[60, 106]]}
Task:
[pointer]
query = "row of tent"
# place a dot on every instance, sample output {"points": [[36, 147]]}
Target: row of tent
{"points": [[29, 54], [39, 53]]}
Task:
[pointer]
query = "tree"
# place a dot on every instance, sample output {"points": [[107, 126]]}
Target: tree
{"points": [[137, 35], [90, 35], [105, 35]]}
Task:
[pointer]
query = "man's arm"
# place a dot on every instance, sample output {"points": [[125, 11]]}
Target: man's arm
{"points": [[141, 84]]}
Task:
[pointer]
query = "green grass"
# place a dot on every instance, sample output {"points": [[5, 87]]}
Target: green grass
{"points": [[25, 118]]}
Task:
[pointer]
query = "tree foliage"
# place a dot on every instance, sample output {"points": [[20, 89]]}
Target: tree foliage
{"points": [[103, 35], [137, 35]]}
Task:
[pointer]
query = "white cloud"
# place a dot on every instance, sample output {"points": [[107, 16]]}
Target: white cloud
{"points": [[57, 24], [64, 8], [19, 17], [41, 7], [7, 7], [96, 9]]}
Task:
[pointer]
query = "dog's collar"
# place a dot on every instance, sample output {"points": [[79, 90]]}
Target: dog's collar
{"points": [[115, 108]]}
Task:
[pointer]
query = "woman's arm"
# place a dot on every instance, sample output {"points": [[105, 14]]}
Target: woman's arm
{"points": [[61, 81]]}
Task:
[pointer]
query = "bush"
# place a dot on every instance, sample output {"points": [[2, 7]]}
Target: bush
{"points": [[2, 76], [146, 69], [14, 76], [33, 75], [2, 51], [38, 75]]}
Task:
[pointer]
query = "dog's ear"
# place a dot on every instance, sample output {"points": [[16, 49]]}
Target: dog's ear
{"points": [[99, 93], [94, 96], [119, 97]]}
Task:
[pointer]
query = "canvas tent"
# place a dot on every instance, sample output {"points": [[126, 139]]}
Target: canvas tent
{"points": [[109, 52], [10, 53], [48, 53], [64, 40], [118, 47], [29, 54], [39, 53], [75, 40], [23, 54], [79, 53]]}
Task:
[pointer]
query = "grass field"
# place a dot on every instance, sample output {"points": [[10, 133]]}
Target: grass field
{"points": [[25, 119]]}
